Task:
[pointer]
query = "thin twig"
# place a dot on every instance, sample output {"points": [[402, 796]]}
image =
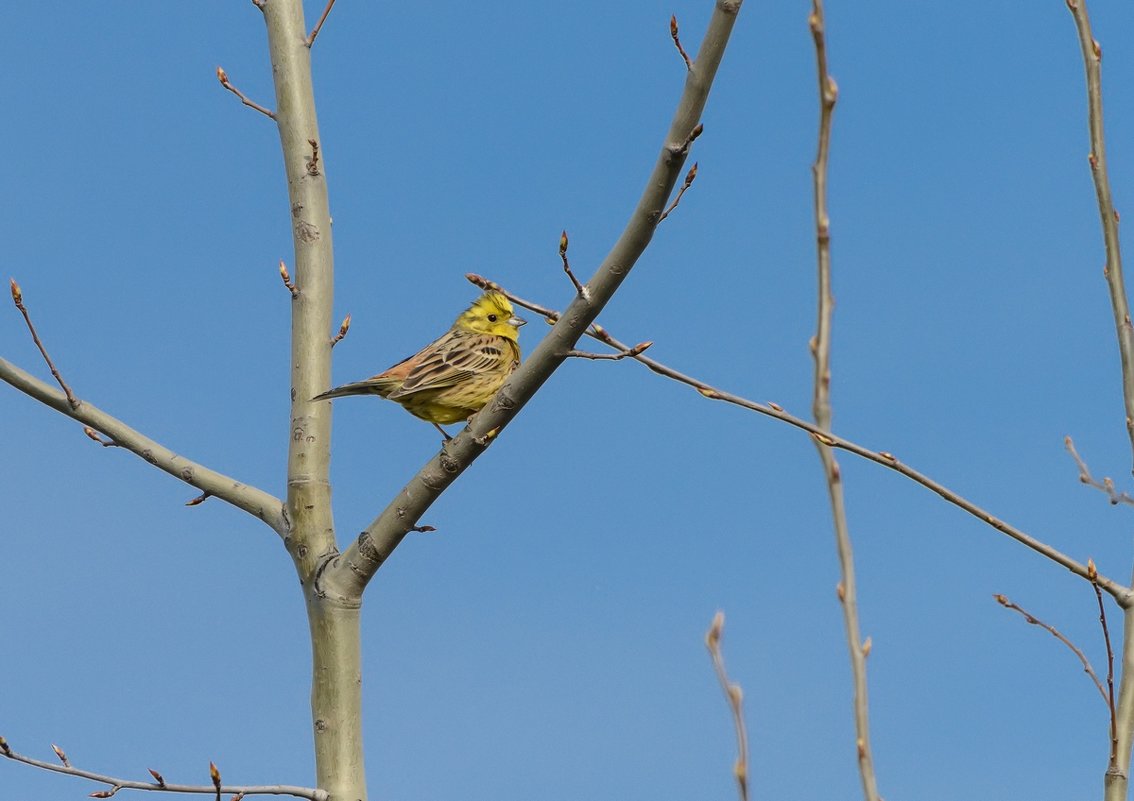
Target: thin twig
{"points": [[689, 178], [614, 357], [821, 410], [1113, 768], [344, 327], [319, 25], [735, 698], [1092, 59], [582, 290], [1122, 594], [286, 277], [200, 499], [116, 784], [1035, 621], [222, 76], [18, 299], [1106, 485], [677, 41]]}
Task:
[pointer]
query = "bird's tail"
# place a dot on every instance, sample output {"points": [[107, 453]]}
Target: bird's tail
{"points": [[368, 387]]}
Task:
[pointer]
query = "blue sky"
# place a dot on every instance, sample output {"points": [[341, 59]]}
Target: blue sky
{"points": [[546, 641]]}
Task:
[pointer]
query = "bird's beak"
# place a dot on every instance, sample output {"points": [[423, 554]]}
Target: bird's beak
{"points": [[517, 321]]}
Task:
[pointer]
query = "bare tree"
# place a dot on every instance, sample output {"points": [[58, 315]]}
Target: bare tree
{"points": [[334, 571], [333, 579]]}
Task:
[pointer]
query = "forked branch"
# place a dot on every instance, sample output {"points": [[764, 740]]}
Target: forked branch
{"points": [[348, 574]]}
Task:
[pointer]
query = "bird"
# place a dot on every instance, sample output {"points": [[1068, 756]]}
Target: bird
{"points": [[453, 377]]}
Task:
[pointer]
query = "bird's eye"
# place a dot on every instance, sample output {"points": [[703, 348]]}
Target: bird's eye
{"points": [[492, 318]]}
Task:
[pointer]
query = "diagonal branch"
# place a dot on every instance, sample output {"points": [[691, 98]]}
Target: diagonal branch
{"points": [[346, 576], [160, 785], [1054, 632], [252, 500], [1119, 592], [18, 299]]}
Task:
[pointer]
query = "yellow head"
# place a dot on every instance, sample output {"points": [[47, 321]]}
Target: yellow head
{"points": [[491, 313]]}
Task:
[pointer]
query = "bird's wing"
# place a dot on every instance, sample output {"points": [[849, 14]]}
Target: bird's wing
{"points": [[455, 357]]}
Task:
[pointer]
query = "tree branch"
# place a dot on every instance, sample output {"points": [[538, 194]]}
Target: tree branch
{"points": [[336, 657], [1106, 485], [116, 784], [347, 576], [1119, 592], [1054, 632], [252, 500], [18, 299], [735, 698], [821, 410], [1092, 61]]}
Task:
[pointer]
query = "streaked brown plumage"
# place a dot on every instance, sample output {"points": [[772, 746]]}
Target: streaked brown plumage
{"points": [[453, 377]]}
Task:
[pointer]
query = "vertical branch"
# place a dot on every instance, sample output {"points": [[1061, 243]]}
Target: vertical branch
{"points": [[1092, 63], [1116, 780], [821, 407], [336, 693]]}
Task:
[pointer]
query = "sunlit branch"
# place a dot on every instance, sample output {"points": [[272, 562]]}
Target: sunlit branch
{"points": [[250, 499], [1121, 593]]}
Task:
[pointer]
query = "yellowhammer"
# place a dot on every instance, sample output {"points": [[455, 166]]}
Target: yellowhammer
{"points": [[453, 377]]}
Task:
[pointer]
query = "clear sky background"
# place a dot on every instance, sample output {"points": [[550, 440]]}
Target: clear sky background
{"points": [[546, 642]]}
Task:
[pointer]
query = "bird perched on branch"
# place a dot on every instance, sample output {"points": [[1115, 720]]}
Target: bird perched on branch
{"points": [[453, 377]]}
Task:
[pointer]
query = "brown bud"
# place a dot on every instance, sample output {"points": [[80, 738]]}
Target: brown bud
{"points": [[222, 76], [563, 243], [214, 774], [713, 635]]}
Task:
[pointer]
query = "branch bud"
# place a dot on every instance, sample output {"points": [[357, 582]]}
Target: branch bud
{"points": [[17, 295], [713, 635], [214, 774], [563, 243]]}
